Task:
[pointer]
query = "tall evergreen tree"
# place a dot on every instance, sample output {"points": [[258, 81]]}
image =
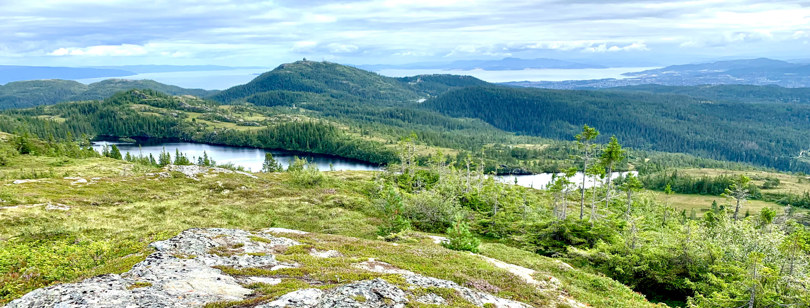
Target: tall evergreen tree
{"points": [[270, 164], [115, 153], [739, 192], [586, 145], [631, 185], [612, 154]]}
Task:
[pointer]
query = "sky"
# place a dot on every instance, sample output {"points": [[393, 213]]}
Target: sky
{"points": [[267, 33]]}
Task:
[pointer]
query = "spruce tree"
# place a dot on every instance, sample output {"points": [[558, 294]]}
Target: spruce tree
{"points": [[585, 144]]}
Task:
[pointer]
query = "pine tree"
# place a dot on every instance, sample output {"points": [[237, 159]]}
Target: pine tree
{"points": [[164, 158], [270, 164], [631, 184], [114, 152], [585, 144], [739, 192], [613, 154]]}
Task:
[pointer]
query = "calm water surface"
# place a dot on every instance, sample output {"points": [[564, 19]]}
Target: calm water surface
{"points": [[541, 180], [249, 158], [252, 159]]}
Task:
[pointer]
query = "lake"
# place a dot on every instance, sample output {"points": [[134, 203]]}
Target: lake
{"points": [[252, 159], [249, 158], [541, 180]]}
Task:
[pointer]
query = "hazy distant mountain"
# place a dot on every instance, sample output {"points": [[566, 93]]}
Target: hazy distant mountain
{"points": [[21, 73], [719, 68], [16, 73], [143, 69], [489, 65], [23, 94], [760, 71]]}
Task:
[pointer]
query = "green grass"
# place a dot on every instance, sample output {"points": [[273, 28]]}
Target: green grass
{"points": [[703, 203], [594, 289], [789, 183], [112, 220]]}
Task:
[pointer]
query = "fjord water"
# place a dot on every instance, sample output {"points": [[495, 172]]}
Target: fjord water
{"points": [[249, 158]]}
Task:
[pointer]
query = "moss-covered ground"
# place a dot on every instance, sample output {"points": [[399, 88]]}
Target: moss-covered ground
{"points": [[124, 207]]}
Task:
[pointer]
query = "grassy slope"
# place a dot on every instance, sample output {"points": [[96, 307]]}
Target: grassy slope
{"points": [[111, 222], [703, 204], [789, 183]]}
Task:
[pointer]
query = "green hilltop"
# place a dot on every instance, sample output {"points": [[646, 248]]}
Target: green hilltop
{"points": [[25, 94]]}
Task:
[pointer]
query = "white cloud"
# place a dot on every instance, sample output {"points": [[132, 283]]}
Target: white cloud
{"points": [[101, 51], [247, 31], [342, 48], [303, 46]]}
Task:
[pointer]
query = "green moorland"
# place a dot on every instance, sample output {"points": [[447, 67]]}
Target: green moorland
{"points": [[674, 248], [650, 248], [125, 206]]}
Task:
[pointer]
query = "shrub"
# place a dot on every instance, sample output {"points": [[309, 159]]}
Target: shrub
{"points": [[393, 221], [305, 173], [460, 238], [430, 211]]}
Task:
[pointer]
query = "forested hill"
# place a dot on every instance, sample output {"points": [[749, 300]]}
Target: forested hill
{"points": [[304, 81], [767, 134], [24, 94], [728, 93]]}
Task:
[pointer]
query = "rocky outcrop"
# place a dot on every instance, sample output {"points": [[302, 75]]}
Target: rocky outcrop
{"points": [[185, 272], [180, 273]]}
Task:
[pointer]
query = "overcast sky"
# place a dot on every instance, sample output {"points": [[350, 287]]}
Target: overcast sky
{"points": [[266, 33]]}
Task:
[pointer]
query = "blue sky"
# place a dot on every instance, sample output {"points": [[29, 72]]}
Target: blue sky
{"points": [[266, 33]]}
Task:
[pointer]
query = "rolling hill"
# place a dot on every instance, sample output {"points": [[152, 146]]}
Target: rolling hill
{"points": [[760, 71], [767, 134], [331, 81], [24, 94], [762, 125]]}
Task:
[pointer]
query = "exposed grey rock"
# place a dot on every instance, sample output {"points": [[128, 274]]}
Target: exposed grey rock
{"points": [[381, 267], [325, 253], [283, 230], [367, 293], [431, 298], [474, 297], [179, 274], [300, 298], [264, 280]]}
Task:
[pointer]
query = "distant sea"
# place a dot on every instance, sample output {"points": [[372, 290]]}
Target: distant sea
{"points": [[223, 79], [208, 80], [524, 75]]}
